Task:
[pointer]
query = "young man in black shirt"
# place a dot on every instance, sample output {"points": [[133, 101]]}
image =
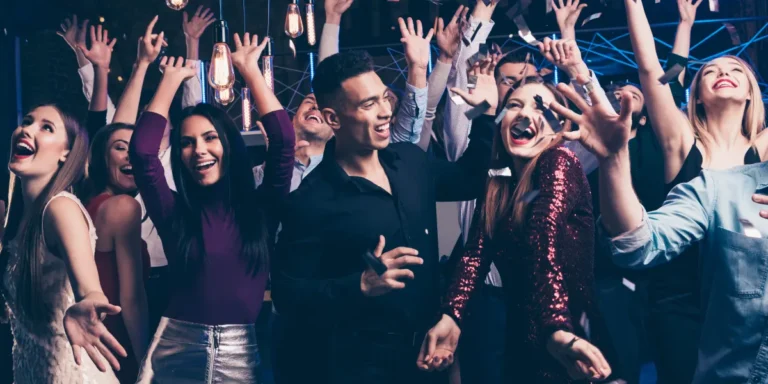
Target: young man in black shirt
{"points": [[350, 324]]}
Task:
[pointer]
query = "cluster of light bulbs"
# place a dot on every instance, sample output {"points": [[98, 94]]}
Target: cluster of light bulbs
{"points": [[221, 74]]}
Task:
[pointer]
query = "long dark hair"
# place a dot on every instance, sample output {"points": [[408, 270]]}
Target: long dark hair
{"points": [[98, 172], [236, 184], [28, 229]]}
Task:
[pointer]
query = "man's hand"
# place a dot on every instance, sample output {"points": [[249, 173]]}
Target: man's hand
{"points": [[485, 88], [396, 260], [150, 44], [100, 53], [334, 9], [564, 54], [482, 12], [194, 28], [449, 37], [439, 346], [416, 46], [567, 12]]}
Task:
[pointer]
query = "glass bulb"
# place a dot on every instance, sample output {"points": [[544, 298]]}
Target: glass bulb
{"points": [[294, 27], [311, 38], [269, 74], [246, 98], [224, 96], [221, 74], [176, 4]]}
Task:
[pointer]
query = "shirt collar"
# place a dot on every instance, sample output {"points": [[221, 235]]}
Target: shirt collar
{"points": [[388, 157]]}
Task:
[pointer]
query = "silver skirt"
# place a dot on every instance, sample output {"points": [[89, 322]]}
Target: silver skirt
{"points": [[191, 353]]}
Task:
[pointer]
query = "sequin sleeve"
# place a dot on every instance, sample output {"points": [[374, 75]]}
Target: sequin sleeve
{"points": [[470, 271], [561, 184]]}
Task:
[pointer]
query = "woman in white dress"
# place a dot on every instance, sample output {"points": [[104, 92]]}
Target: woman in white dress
{"points": [[50, 283]]}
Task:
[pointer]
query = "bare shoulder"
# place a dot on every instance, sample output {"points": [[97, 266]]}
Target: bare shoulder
{"points": [[120, 210], [63, 218]]}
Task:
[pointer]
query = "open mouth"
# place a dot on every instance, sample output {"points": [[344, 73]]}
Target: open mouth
{"points": [[127, 170], [204, 166], [724, 83], [523, 130], [23, 149], [313, 117], [382, 128]]}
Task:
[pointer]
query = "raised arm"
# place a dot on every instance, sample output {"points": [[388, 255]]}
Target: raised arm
{"points": [[67, 230], [193, 30], [149, 49], [124, 219], [100, 55], [448, 40], [74, 35], [672, 129], [455, 125], [413, 105], [682, 45], [567, 13], [148, 171], [329, 39]]}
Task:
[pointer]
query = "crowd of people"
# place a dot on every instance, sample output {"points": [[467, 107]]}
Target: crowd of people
{"points": [[593, 221]]}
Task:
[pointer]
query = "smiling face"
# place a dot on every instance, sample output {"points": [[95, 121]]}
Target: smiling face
{"points": [[308, 121], [202, 152], [538, 134], [363, 113], [118, 164], [40, 144], [511, 73], [723, 79]]}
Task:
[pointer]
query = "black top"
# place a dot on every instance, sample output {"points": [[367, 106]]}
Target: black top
{"points": [[95, 121], [692, 165], [332, 218]]}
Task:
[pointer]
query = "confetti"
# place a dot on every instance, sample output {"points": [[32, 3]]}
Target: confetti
{"points": [[292, 46], [530, 195], [478, 56], [735, 38], [479, 25], [471, 82], [502, 172], [554, 123], [501, 115], [374, 262], [458, 100], [523, 31], [591, 17], [671, 74], [714, 5], [549, 6], [630, 285], [475, 112], [520, 127], [749, 229]]}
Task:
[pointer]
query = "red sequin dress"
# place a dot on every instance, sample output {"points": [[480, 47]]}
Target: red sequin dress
{"points": [[546, 268]]}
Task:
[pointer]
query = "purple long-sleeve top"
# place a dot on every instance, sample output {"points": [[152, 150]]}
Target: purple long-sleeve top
{"points": [[221, 291]]}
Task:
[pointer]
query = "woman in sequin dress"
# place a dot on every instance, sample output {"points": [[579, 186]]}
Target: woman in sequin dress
{"points": [[536, 225]]}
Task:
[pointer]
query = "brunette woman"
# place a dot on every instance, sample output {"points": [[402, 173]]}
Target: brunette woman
{"points": [[50, 280], [216, 230]]}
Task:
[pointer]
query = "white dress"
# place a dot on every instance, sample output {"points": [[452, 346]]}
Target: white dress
{"points": [[43, 354]]}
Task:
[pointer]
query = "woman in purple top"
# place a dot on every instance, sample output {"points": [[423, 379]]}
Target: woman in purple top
{"points": [[215, 230]]}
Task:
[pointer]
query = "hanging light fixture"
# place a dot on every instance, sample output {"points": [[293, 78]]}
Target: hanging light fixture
{"points": [[294, 27], [246, 98], [221, 74], [224, 96], [266, 66], [176, 5], [311, 36]]}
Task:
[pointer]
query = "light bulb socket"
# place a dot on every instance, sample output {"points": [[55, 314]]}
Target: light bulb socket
{"points": [[268, 49], [222, 31]]}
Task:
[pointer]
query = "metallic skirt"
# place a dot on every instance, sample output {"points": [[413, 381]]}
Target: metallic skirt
{"points": [[191, 353]]}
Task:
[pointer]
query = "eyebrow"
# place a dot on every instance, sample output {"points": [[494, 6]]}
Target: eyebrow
{"points": [[203, 134], [120, 141], [49, 122], [511, 99], [367, 99]]}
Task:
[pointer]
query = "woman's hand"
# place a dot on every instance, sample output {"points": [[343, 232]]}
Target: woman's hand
{"points": [[150, 45], [84, 329], [194, 28], [439, 346], [485, 88], [567, 13], [582, 359], [449, 36], [177, 69], [247, 53], [100, 53]]}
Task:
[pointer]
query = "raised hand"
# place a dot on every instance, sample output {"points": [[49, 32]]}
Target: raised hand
{"points": [[485, 89], [334, 9], [177, 69], [567, 12], [396, 260], [601, 130], [439, 345], [564, 54], [150, 45], [194, 28], [73, 33], [687, 10], [416, 46], [247, 53], [582, 359], [449, 37], [84, 329], [100, 53]]}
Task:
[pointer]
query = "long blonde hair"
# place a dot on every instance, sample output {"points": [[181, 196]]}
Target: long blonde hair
{"points": [[500, 199], [754, 114]]}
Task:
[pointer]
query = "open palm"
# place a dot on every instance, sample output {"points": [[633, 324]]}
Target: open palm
{"points": [[247, 53], [100, 53], [449, 36], [485, 88], [84, 329], [601, 130], [416, 46], [567, 12], [194, 28]]}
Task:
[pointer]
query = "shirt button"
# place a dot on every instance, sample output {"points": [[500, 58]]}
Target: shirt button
{"points": [[426, 231]]}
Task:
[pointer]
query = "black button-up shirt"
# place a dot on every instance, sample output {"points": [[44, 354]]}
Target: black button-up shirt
{"points": [[332, 218]]}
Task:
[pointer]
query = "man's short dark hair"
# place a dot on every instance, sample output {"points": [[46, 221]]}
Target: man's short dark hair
{"points": [[517, 57], [334, 70]]}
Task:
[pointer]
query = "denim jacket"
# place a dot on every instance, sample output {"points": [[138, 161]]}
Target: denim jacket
{"points": [[734, 266]]}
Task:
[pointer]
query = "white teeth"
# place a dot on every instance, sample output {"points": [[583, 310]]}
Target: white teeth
{"points": [[205, 164], [24, 146], [315, 118], [382, 129]]}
